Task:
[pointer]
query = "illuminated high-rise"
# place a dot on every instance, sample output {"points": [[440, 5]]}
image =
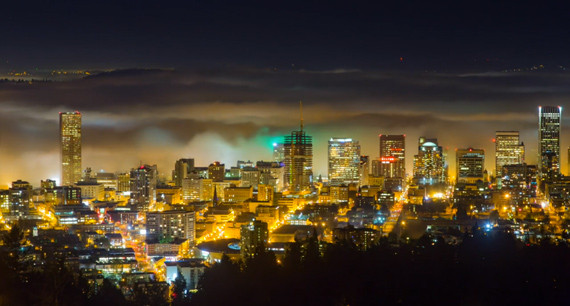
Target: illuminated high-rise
{"points": [[393, 160], [549, 140], [470, 165], [344, 160], [143, 181], [70, 145], [508, 150], [393, 155], [298, 152], [429, 163]]}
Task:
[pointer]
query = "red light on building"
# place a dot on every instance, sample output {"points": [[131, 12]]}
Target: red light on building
{"points": [[388, 159], [494, 140]]}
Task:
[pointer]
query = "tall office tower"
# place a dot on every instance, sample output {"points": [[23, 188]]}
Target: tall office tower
{"points": [[429, 163], [216, 171], [278, 152], [508, 150], [298, 152], [393, 160], [182, 168], [469, 165], [344, 161], [70, 143], [549, 140], [143, 182], [393, 155]]}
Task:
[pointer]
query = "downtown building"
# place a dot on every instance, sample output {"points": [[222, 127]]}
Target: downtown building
{"points": [[143, 181], [549, 118], [429, 163], [298, 152], [508, 150], [343, 161], [392, 164], [253, 238], [70, 145], [182, 169], [470, 165], [171, 224]]}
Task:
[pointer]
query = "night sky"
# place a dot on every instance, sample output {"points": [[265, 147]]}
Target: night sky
{"points": [[221, 80]]}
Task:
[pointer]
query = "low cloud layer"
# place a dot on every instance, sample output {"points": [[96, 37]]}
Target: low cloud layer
{"points": [[158, 116]]}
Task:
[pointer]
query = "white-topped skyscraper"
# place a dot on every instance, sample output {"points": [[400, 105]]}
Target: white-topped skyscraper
{"points": [[70, 146], [429, 163], [549, 140]]}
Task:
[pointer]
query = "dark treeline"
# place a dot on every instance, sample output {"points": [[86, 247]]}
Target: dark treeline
{"points": [[486, 269], [24, 282]]}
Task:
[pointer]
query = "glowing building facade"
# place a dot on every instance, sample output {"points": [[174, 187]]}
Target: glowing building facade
{"points": [[70, 144], [508, 150], [298, 150], [393, 155], [392, 161], [429, 163], [469, 165], [344, 161], [549, 140]]}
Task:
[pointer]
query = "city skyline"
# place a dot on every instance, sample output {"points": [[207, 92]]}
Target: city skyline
{"points": [[284, 152], [267, 151]]}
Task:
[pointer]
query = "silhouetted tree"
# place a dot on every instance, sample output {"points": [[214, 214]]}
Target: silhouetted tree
{"points": [[179, 295]]}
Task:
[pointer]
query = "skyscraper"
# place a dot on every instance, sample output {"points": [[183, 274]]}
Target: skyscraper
{"points": [[344, 159], [70, 143], [393, 155], [298, 151], [549, 140], [143, 181], [393, 160], [469, 165], [508, 150], [182, 168], [429, 163]]}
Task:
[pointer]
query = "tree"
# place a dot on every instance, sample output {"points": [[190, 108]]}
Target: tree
{"points": [[108, 294], [179, 296], [151, 294], [13, 240]]}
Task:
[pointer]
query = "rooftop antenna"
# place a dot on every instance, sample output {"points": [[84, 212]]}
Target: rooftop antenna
{"points": [[301, 108]]}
